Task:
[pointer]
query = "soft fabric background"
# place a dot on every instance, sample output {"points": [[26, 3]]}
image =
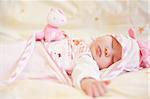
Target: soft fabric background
{"points": [[20, 18], [86, 18]]}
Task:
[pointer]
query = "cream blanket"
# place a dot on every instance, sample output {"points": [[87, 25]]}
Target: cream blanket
{"points": [[133, 85], [19, 19], [130, 86]]}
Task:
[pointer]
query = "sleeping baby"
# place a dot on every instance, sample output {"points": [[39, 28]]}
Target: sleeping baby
{"points": [[91, 66]]}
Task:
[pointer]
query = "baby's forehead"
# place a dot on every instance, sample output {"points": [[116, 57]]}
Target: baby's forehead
{"points": [[104, 37]]}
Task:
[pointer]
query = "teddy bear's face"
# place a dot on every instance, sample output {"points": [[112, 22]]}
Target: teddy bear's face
{"points": [[56, 17]]}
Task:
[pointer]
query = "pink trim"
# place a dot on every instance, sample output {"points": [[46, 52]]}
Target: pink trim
{"points": [[144, 51]]}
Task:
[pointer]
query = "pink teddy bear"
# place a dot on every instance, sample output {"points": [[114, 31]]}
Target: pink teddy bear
{"points": [[52, 32]]}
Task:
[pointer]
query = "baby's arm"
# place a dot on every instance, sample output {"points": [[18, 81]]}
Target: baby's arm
{"points": [[86, 76]]}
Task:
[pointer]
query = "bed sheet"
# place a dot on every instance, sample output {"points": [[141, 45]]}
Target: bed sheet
{"points": [[135, 85], [129, 86]]}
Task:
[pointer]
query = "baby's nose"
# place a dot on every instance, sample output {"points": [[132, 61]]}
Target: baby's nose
{"points": [[108, 52]]}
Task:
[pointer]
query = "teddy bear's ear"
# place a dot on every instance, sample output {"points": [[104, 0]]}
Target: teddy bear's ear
{"points": [[61, 11], [56, 10], [51, 10], [56, 17]]}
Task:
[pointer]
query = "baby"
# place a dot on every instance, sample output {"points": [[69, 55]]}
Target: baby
{"points": [[87, 64], [105, 50], [91, 65]]}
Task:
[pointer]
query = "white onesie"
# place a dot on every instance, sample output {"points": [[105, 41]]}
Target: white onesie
{"points": [[75, 57]]}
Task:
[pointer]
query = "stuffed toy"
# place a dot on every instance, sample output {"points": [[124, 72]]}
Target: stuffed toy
{"points": [[51, 32]]}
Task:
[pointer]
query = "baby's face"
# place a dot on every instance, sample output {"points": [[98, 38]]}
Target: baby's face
{"points": [[106, 50]]}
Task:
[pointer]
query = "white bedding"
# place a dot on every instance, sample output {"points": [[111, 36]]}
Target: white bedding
{"points": [[129, 86], [19, 19], [133, 85]]}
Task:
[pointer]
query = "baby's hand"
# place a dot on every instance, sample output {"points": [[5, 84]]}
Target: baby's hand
{"points": [[93, 87]]}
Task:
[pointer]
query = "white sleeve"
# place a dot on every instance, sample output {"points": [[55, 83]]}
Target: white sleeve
{"points": [[85, 67]]}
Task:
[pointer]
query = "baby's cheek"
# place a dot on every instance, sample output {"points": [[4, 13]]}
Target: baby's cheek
{"points": [[105, 63], [99, 63]]}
